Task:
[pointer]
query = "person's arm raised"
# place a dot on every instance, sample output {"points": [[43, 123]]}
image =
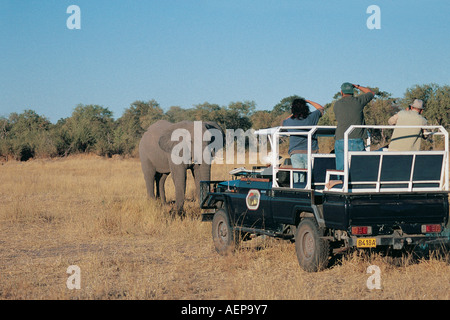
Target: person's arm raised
{"points": [[363, 89], [316, 105]]}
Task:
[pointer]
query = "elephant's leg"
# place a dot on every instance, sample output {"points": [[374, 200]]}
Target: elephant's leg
{"points": [[201, 173], [149, 177], [161, 187], [179, 180], [157, 179], [197, 179]]}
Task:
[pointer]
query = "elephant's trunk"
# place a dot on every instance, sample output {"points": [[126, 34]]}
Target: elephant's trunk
{"points": [[202, 173]]}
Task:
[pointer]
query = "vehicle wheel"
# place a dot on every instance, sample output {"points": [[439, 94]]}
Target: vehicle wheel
{"points": [[312, 251], [224, 237]]}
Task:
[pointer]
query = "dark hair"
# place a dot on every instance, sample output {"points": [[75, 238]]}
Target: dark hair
{"points": [[299, 109]]}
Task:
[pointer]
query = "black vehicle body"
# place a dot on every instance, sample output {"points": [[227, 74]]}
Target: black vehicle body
{"points": [[395, 219], [391, 207]]}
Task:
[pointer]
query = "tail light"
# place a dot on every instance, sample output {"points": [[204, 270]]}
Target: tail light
{"points": [[362, 230], [431, 228]]}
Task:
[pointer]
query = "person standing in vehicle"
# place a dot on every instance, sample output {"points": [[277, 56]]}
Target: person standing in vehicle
{"points": [[408, 139], [298, 144], [349, 110]]}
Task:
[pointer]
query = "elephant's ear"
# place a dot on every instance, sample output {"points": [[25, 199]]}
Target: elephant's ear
{"points": [[176, 134], [212, 125], [165, 141]]}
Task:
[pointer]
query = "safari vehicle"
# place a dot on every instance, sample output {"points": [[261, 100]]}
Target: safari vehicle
{"points": [[381, 199]]}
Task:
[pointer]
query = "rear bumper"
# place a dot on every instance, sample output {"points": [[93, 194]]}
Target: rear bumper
{"points": [[399, 241]]}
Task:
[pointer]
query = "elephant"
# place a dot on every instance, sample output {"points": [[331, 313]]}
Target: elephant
{"points": [[160, 156]]}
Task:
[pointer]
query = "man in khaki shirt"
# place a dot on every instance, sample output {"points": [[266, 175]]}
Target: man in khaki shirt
{"points": [[407, 139]]}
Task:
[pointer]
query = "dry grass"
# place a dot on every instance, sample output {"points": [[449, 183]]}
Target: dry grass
{"points": [[93, 213]]}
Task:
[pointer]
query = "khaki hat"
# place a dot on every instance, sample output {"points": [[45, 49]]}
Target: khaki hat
{"points": [[418, 104]]}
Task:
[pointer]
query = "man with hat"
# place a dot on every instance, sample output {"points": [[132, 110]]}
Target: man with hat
{"points": [[408, 139], [349, 110]]}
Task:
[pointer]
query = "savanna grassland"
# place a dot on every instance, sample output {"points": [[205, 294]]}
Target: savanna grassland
{"points": [[93, 212]]}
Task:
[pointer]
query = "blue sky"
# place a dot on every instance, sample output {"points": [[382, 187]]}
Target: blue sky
{"points": [[183, 53]]}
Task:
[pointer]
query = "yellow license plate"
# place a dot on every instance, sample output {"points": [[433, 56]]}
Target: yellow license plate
{"points": [[366, 243]]}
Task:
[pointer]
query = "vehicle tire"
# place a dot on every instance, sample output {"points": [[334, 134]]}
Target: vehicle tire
{"points": [[312, 251], [224, 237]]}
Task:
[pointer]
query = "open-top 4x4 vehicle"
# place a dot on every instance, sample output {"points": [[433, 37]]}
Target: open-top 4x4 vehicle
{"points": [[380, 199]]}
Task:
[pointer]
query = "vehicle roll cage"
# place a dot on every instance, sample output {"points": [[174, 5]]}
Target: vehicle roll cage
{"points": [[414, 181]]}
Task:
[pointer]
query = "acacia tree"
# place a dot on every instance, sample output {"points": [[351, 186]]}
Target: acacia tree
{"points": [[328, 118], [177, 114], [149, 112], [133, 123], [378, 112], [423, 92], [205, 112], [234, 116], [62, 137], [437, 107], [90, 129], [284, 106], [5, 128], [238, 115], [436, 99], [25, 135], [262, 119]]}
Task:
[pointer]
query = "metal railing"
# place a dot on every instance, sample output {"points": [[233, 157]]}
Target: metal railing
{"points": [[444, 183], [274, 135], [308, 132]]}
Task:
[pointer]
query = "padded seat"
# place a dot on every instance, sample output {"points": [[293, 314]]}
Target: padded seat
{"points": [[384, 171]]}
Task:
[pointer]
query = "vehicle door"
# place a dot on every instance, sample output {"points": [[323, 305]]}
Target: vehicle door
{"points": [[251, 207]]}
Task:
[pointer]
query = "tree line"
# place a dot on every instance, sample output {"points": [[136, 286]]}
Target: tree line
{"points": [[92, 128]]}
